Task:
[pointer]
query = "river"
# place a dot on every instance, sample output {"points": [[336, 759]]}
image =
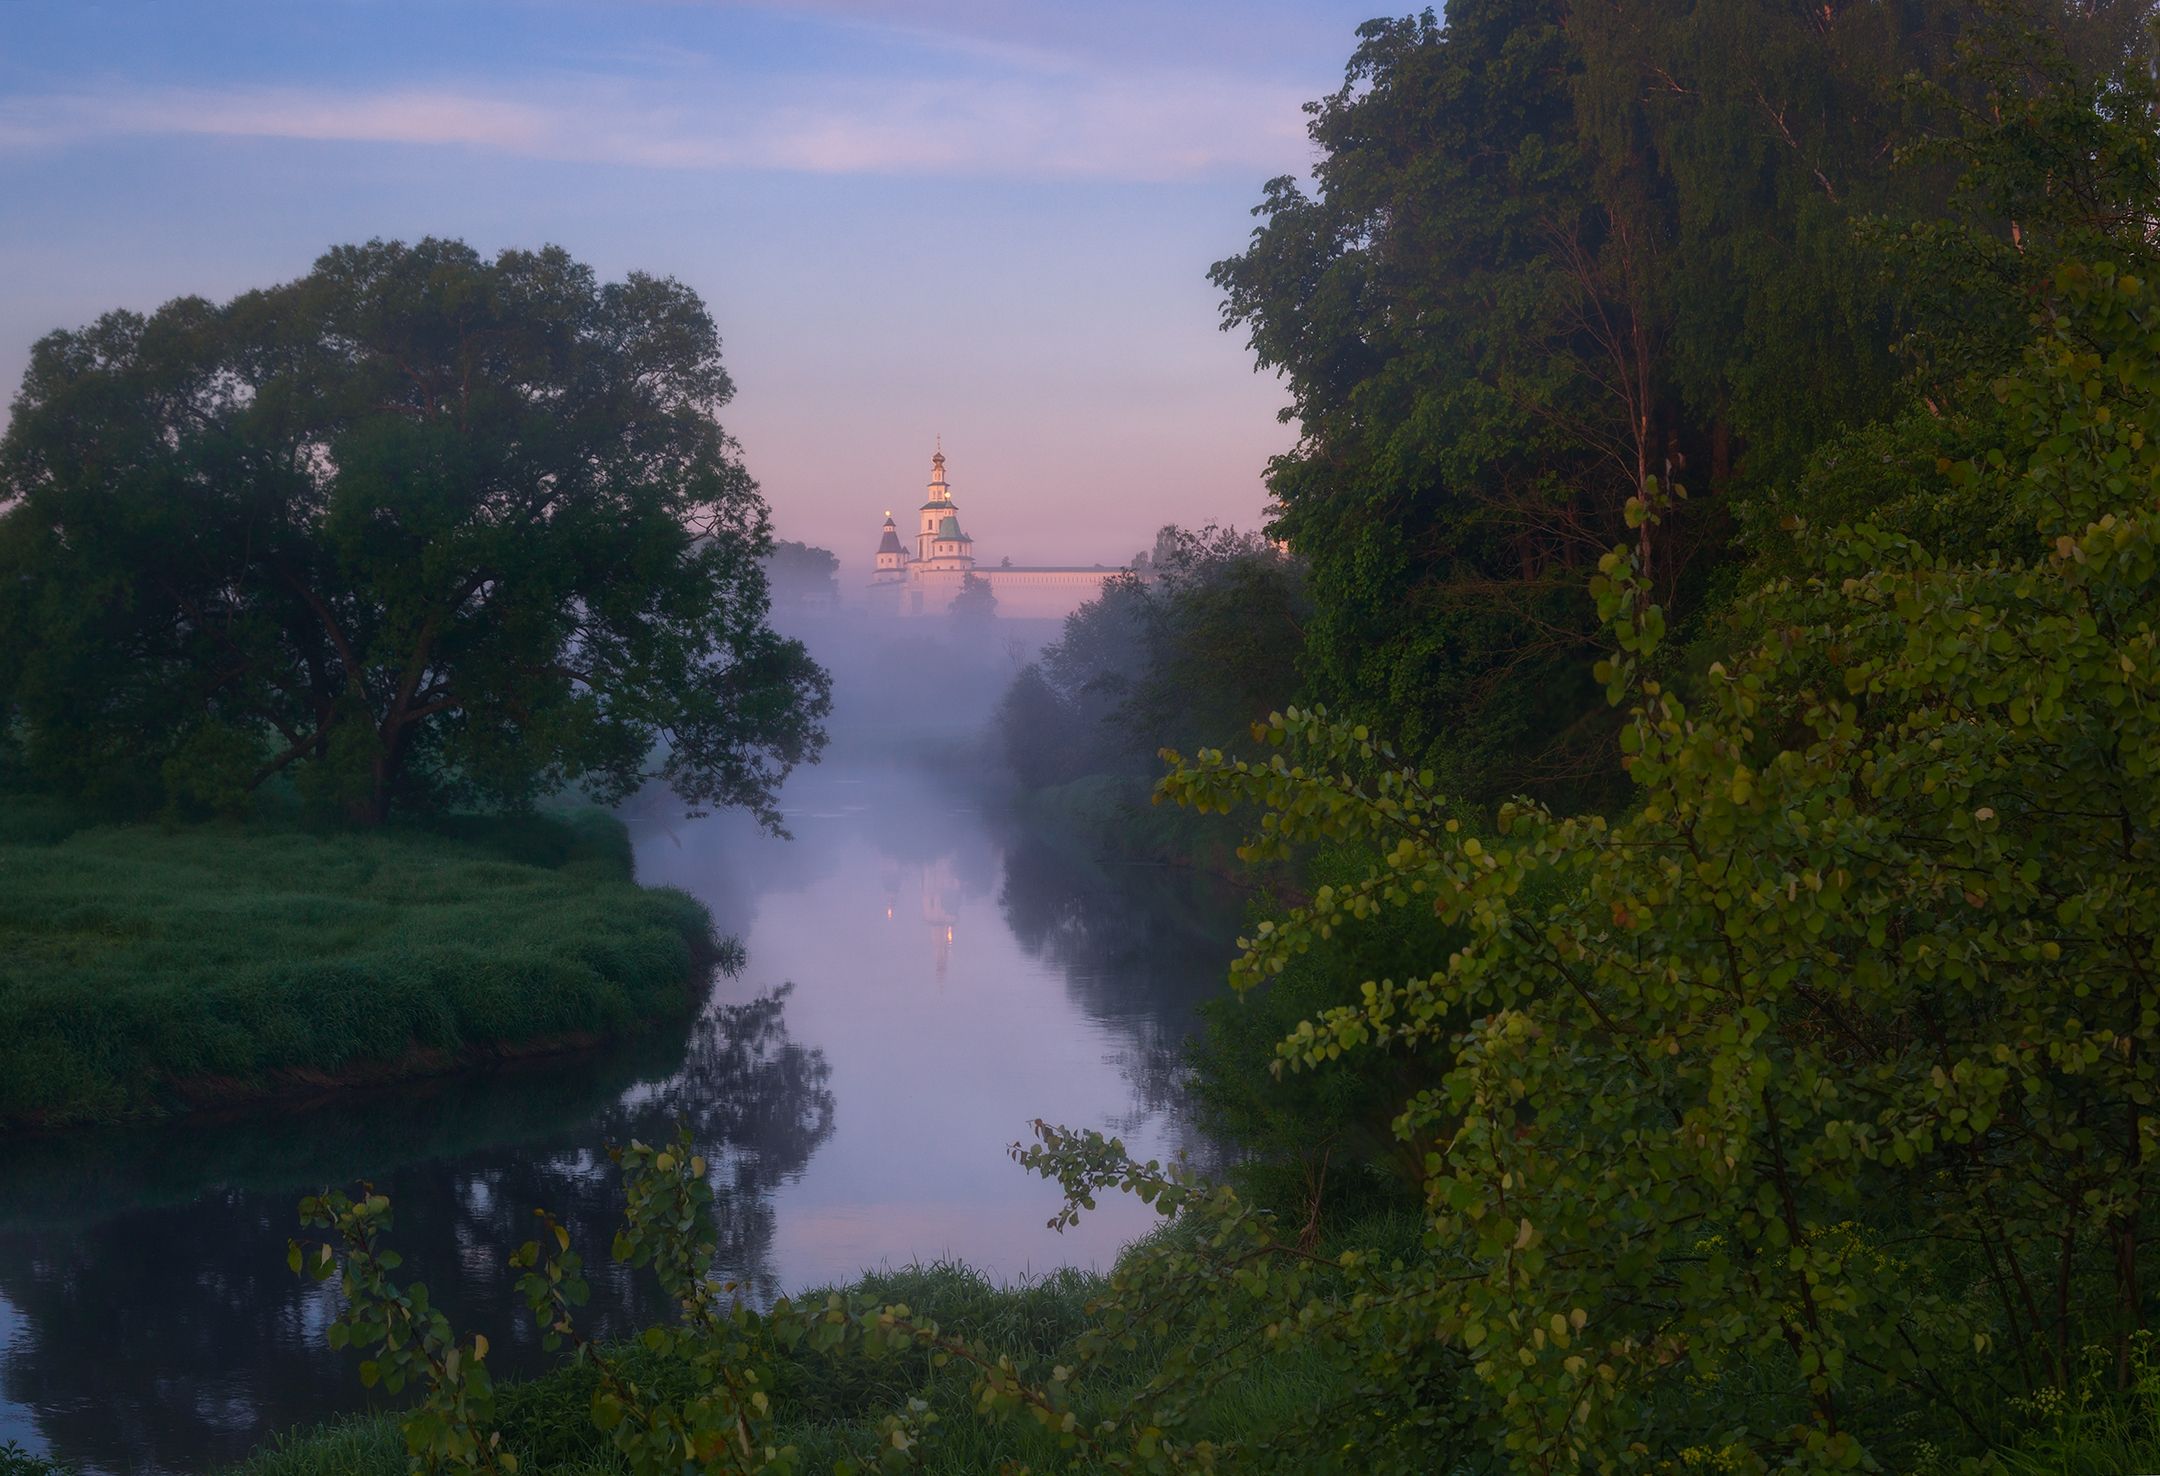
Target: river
{"points": [[921, 982]]}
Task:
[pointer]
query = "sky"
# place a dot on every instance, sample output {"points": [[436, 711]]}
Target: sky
{"points": [[986, 220]]}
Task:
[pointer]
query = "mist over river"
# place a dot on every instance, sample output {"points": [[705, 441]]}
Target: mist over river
{"points": [[922, 981]]}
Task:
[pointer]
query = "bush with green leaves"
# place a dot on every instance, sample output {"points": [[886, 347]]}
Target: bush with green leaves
{"points": [[15, 1461], [701, 1398]]}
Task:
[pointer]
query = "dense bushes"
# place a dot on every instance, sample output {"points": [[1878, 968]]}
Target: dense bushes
{"points": [[144, 969], [929, 1369]]}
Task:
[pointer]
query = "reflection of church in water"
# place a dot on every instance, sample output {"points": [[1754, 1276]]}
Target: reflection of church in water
{"points": [[938, 906], [924, 580]]}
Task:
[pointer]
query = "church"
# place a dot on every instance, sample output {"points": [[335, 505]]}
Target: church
{"points": [[924, 579]]}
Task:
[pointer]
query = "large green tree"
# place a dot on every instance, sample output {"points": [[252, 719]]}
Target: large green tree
{"points": [[418, 526], [1806, 1119], [1556, 247]]}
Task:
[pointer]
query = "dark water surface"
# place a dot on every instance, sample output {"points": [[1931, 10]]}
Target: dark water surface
{"points": [[920, 985]]}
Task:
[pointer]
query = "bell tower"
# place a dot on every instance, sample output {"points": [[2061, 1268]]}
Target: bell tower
{"points": [[939, 505]]}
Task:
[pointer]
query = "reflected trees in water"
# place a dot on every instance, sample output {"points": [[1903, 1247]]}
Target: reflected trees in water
{"points": [[1140, 944], [214, 1343]]}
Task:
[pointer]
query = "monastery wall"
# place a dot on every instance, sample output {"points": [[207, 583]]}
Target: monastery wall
{"points": [[1022, 593]]}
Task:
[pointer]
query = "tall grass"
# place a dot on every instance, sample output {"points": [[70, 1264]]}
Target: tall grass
{"points": [[147, 968], [2097, 1427]]}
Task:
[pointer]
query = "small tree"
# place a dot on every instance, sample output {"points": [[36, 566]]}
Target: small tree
{"points": [[976, 604], [418, 525]]}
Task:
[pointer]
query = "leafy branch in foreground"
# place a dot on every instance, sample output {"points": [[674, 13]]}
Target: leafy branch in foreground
{"points": [[410, 1341], [721, 1416]]}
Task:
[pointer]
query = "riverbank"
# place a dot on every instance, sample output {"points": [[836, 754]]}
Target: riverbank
{"points": [[147, 970]]}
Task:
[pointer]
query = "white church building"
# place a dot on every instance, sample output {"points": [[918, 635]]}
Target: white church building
{"points": [[921, 575]]}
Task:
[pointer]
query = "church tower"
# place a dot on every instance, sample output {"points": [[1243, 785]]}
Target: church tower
{"points": [[938, 507], [941, 544], [891, 556]]}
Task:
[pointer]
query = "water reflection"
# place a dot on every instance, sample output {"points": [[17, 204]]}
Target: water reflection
{"points": [[964, 978], [170, 1335], [1141, 945]]}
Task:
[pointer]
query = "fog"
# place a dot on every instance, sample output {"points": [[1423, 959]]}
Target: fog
{"points": [[914, 688]]}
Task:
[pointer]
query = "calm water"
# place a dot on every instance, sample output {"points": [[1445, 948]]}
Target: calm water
{"points": [[920, 985]]}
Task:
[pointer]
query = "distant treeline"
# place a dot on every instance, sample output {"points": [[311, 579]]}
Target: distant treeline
{"points": [[1189, 652]]}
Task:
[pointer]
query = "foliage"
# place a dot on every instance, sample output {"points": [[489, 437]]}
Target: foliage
{"points": [[1831, 1077], [713, 1407], [2053, 162], [413, 1341], [15, 1461], [976, 603], [803, 574], [145, 968], [1319, 1144], [418, 526], [1192, 652], [1557, 248], [2095, 1427], [832, 1407]]}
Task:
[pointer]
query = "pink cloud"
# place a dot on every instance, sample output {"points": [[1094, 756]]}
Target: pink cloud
{"points": [[1110, 125]]}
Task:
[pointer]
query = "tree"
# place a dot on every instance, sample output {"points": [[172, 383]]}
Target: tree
{"points": [[802, 573], [976, 603], [1833, 1063], [1230, 612], [418, 526], [1190, 653], [1558, 247]]}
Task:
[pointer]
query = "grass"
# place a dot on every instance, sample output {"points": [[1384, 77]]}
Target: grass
{"points": [[2095, 1428], [146, 969]]}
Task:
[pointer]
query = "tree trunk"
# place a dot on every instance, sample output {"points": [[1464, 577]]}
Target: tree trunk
{"points": [[374, 809]]}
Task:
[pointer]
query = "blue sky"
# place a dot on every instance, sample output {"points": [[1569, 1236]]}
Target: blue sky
{"points": [[989, 219]]}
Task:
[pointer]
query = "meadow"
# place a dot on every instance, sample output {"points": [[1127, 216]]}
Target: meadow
{"points": [[147, 969]]}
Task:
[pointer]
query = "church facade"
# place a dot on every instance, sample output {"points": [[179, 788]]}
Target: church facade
{"points": [[921, 573]]}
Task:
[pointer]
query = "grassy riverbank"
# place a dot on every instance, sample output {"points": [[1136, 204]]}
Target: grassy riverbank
{"points": [[147, 969]]}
